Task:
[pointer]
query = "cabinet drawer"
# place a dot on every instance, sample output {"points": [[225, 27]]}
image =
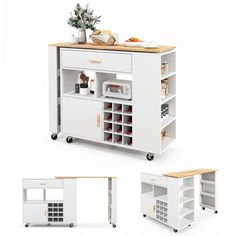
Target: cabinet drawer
{"points": [[116, 62], [43, 183], [155, 179]]}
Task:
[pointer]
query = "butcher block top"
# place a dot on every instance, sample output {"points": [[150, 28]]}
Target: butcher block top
{"points": [[116, 47], [188, 173], [84, 177]]}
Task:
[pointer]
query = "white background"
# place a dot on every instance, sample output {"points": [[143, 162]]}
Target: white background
{"points": [[204, 33]]}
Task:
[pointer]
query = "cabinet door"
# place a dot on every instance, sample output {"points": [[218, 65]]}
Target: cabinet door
{"points": [[35, 213], [148, 206], [82, 118]]}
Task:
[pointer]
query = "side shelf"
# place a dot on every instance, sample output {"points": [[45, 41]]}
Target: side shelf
{"points": [[208, 195]]}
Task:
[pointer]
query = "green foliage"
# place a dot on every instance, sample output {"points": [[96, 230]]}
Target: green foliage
{"points": [[83, 18]]}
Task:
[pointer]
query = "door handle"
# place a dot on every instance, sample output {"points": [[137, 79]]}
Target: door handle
{"points": [[45, 212], [154, 208], [98, 120], [95, 61]]}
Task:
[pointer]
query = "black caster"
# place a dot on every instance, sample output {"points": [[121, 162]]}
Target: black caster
{"points": [[69, 139], [189, 225], [150, 156], [144, 215], [54, 136], [175, 230], [203, 208], [113, 225], [71, 225], [216, 212], [26, 225]]}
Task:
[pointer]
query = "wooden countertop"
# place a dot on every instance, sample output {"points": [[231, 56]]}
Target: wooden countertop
{"points": [[187, 173], [116, 47], [84, 177]]}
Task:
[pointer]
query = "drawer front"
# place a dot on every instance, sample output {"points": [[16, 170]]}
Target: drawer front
{"points": [[96, 60], [154, 179], [43, 183]]}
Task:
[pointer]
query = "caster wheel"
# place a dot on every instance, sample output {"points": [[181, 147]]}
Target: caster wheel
{"points": [[203, 208], [69, 139], [113, 225], [189, 225], [54, 136], [216, 212], [144, 215], [26, 225], [175, 230], [150, 156], [110, 223], [71, 225]]}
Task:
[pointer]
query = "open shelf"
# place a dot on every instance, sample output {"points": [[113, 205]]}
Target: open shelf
{"points": [[185, 188], [207, 182], [185, 199], [185, 211], [167, 98], [165, 122], [167, 75], [208, 194], [162, 198]]}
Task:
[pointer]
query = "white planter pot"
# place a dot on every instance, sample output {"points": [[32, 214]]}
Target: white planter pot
{"points": [[84, 91]]}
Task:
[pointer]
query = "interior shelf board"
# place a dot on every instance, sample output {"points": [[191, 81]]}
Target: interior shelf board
{"points": [[208, 194], [167, 98], [186, 187], [162, 198], [185, 211], [147, 194], [165, 122], [207, 181], [168, 74], [101, 98], [185, 199], [166, 142]]}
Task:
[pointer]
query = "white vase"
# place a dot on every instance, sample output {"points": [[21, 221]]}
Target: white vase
{"points": [[82, 39]]}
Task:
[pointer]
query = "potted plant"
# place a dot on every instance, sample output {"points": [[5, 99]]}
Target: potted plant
{"points": [[84, 84], [82, 19]]}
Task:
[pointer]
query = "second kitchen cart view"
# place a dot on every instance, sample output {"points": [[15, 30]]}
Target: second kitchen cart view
{"points": [[115, 95], [169, 198], [56, 200]]}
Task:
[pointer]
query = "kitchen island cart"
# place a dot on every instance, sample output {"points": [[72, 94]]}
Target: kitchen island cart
{"points": [[146, 122], [169, 198]]}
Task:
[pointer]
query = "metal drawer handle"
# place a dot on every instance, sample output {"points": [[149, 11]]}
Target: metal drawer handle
{"points": [[95, 61], [154, 208], [98, 121], [152, 179], [43, 184]]}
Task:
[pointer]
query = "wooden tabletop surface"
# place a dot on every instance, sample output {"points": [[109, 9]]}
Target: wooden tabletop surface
{"points": [[187, 173], [84, 177], [116, 47]]}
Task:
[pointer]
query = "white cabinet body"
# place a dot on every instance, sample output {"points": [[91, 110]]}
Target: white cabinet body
{"points": [[35, 213], [47, 211], [81, 118], [168, 200], [85, 116]]}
